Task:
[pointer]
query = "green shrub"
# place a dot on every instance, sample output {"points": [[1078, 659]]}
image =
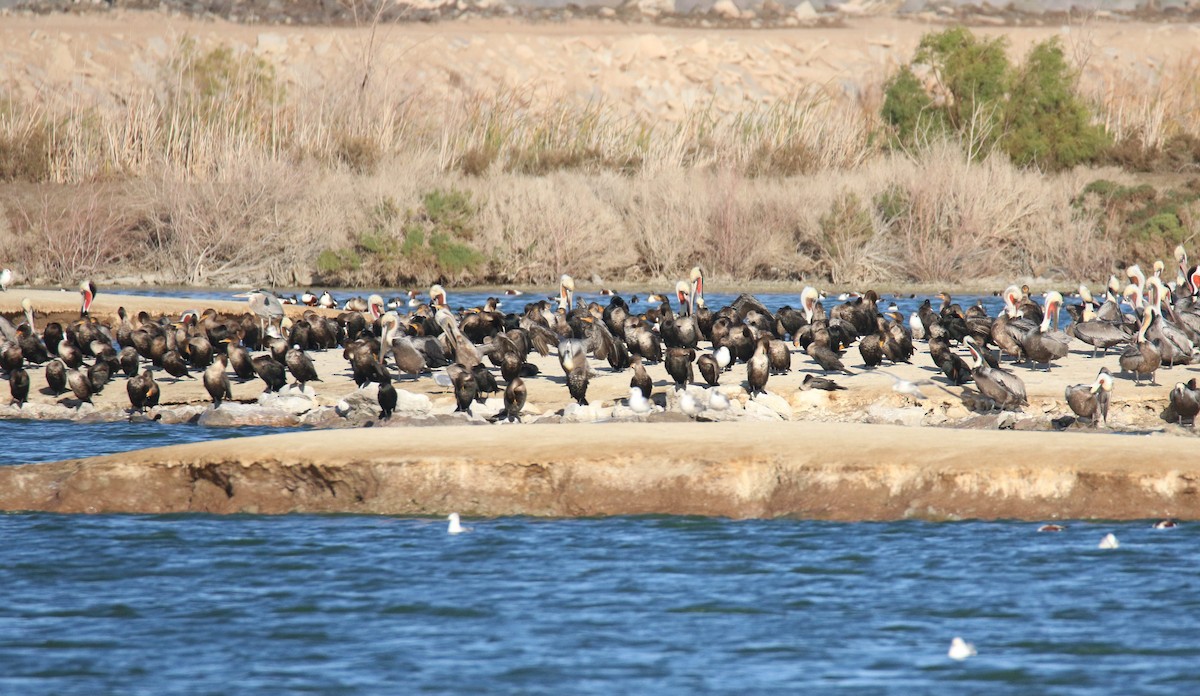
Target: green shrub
{"points": [[394, 247], [1046, 122], [1147, 222], [1033, 112], [908, 108], [335, 262]]}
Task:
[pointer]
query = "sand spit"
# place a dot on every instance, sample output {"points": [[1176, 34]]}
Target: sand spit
{"points": [[831, 471]]}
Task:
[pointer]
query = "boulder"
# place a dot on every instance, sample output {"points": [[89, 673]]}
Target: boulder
{"points": [[234, 415], [726, 9]]}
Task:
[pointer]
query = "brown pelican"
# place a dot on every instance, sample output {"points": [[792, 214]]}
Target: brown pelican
{"points": [[87, 292], [809, 297], [375, 307], [27, 305], [216, 382], [1185, 402], [566, 292], [1046, 342], [1173, 342], [998, 384], [1007, 329], [464, 351], [437, 297], [1091, 400], [1142, 356]]}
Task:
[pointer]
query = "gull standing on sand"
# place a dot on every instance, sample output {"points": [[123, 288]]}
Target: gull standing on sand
{"points": [[638, 403], [5, 279], [960, 649], [717, 401], [689, 406]]}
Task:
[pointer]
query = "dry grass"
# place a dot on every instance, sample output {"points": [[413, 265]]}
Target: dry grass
{"points": [[1150, 103], [224, 177]]}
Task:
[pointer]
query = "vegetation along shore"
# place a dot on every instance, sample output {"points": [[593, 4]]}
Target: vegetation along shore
{"points": [[154, 149]]}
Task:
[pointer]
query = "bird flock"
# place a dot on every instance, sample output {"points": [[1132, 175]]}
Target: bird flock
{"points": [[482, 351]]}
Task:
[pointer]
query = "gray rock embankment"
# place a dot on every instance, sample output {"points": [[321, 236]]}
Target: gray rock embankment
{"points": [[836, 471]]}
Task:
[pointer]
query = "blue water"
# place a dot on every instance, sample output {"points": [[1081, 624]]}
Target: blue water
{"points": [[27, 441], [355, 605], [457, 300]]}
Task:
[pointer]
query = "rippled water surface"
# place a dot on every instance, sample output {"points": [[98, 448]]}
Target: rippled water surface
{"points": [[157, 605], [456, 299]]}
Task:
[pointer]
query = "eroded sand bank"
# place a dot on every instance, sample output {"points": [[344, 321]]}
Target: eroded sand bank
{"points": [[832, 471]]}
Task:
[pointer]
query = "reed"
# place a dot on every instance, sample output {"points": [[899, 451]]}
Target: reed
{"points": [[217, 173]]}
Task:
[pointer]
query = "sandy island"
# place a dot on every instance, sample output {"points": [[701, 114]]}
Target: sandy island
{"points": [[793, 453]]}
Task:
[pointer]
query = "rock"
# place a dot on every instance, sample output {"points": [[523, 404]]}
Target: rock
{"points": [[726, 9], [981, 422], [650, 8], [758, 411], [323, 417], [1030, 424], [234, 415], [909, 415], [667, 417], [574, 413], [804, 11], [289, 399], [775, 403], [488, 409], [411, 405], [813, 399], [172, 415]]}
